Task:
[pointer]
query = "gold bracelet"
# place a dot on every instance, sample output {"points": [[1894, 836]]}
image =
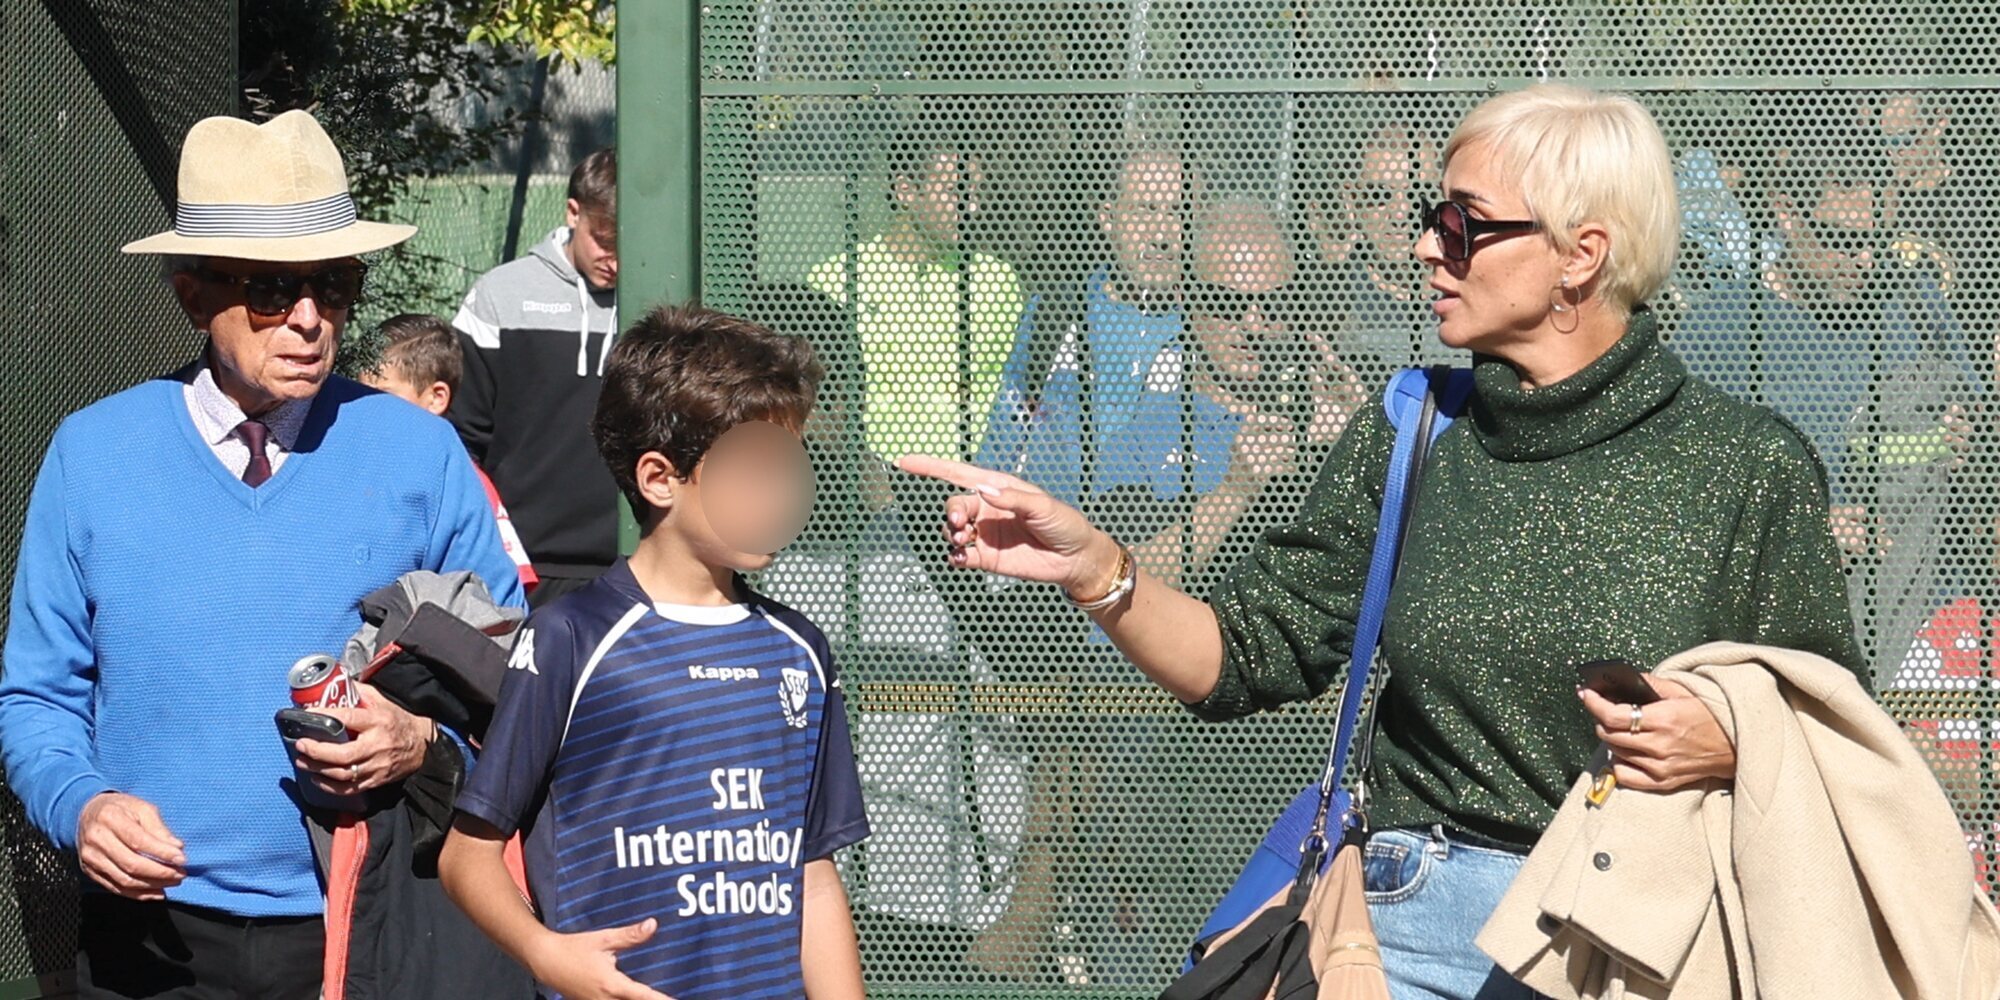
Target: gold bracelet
{"points": [[1122, 582]]}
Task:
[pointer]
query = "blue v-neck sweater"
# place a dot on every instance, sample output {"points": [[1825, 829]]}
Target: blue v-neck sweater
{"points": [[158, 602]]}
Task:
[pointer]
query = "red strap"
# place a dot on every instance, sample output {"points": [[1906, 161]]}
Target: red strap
{"points": [[350, 850]]}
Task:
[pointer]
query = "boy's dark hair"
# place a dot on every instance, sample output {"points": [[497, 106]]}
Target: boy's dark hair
{"points": [[422, 348], [594, 185], [685, 374]]}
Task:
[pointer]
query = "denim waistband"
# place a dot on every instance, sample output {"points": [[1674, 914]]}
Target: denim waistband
{"points": [[1453, 836]]}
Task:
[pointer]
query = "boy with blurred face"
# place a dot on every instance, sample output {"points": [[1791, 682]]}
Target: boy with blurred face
{"points": [[672, 744]]}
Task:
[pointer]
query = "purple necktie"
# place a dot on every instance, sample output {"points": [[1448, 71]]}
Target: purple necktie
{"points": [[255, 434]]}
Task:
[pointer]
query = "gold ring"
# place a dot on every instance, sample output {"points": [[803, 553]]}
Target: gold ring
{"points": [[1638, 714]]}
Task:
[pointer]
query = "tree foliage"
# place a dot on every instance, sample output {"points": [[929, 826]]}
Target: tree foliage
{"points": [[402, 93], [569, 32]]}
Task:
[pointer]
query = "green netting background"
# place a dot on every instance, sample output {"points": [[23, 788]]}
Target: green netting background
{"points": [[94, 99], [1249, 169]]}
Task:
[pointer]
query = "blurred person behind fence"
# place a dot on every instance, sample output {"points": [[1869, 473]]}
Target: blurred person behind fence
{"points": [[934, 314], [187, 541], [1851, 331], [1560, 523], [1130, 393]]}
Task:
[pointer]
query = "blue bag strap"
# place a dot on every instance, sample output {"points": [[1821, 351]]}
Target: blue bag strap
{"points": [[1422, 404]]}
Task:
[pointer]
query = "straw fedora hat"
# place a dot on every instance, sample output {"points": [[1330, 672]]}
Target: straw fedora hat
{"points": [[275, 191]]}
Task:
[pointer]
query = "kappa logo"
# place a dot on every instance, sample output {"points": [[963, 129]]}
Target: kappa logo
{"points": [[523, 657], [704, 673], [797, 684]]}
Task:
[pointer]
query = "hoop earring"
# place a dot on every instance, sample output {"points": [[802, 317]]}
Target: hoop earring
{"points": [[1559, 305]]}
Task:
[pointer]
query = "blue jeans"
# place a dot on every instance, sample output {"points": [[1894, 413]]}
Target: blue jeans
{"points": [[1428, 896]]}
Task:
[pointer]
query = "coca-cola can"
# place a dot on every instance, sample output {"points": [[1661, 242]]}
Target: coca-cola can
{"points": [[319, 681]]}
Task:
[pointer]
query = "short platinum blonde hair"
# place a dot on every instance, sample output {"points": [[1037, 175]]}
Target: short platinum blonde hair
{"points": [[1584, 157]]}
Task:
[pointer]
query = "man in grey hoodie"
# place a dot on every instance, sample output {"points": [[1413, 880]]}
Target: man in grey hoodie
{"points": [[536, 332]]}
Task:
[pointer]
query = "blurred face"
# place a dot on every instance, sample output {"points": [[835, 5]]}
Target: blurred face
{"points": [[265, 351], [1144, 222], [593, 246], [1241, 266], [1832, 247], [1384, 197], [748, 498], [1502, 295], [939, 202], [1915, 141]]}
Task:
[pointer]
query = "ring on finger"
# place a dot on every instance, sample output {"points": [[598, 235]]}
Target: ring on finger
{"points": [[1638, 716]]}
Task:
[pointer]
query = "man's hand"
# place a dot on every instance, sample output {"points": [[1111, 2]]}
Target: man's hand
{"points": [[386, 745], [125, 847], [1853, 529], [1264, 449], [585, 966]]}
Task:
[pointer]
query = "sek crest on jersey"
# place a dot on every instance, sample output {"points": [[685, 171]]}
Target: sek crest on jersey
{"points": [[523, 657], [792, 693]]}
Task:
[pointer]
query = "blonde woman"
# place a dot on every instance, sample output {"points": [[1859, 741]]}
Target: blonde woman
{"points": [[1597, 501]]}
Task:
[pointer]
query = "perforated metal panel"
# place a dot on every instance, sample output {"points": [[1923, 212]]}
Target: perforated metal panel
{"points": [[1246, 172]]}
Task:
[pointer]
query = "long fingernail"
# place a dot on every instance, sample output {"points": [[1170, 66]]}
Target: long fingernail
{"points": [[991, 491]]}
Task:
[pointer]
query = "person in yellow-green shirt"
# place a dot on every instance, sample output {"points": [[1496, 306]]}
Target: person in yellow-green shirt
{"points": [[935, 319]]}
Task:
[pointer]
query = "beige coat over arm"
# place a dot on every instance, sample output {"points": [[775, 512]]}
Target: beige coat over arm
{"points": [[1833, 868]]}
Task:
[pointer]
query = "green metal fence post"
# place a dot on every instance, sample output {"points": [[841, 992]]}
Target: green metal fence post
{"points": [[659, 164]]}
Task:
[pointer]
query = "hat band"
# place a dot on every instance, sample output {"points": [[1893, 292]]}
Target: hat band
{"points": [[265, 221]]}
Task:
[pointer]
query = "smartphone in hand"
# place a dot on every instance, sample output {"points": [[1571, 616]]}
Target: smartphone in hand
{"points": [[1618, 681], [295, 724]]}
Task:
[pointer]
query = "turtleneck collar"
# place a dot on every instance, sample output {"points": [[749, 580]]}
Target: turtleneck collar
{"points": [[1632, 380]]}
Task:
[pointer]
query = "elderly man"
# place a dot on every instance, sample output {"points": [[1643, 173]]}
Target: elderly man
{"points": [[187, 541]]}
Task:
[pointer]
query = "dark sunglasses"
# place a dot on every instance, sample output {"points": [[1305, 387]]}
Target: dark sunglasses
{"points": [[336, 287], [1368, 196], [1210, 299], [1848, 241], [1457, 229]]}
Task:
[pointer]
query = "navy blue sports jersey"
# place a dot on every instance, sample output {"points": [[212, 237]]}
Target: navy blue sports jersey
{"points": [[674, 762]]}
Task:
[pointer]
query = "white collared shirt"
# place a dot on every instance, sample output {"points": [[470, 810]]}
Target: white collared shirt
{"points": [[216, 416]]}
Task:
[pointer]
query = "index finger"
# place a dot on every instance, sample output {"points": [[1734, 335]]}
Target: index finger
{"points": [[165, 845], [960, 474], [631, 989], [354, 717], [317, 756], [131, 833], [1608, 713]]}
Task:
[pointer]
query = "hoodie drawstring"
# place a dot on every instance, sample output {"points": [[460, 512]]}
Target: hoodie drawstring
{"points": [[582, 328], [610, 334], [583, 331]]}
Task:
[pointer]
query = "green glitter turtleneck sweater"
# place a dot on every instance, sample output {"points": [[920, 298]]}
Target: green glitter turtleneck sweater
{"points": [[1631, 510]]}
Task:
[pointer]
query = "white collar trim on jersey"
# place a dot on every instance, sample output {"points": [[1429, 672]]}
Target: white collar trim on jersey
{"points": [[702, 614]]}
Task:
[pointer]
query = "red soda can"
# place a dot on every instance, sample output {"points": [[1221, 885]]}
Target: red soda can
{"points": [[319, 681]]}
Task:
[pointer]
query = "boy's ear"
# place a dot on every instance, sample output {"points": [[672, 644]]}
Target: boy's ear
{"points": [[657, 481], [436, 398]]}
